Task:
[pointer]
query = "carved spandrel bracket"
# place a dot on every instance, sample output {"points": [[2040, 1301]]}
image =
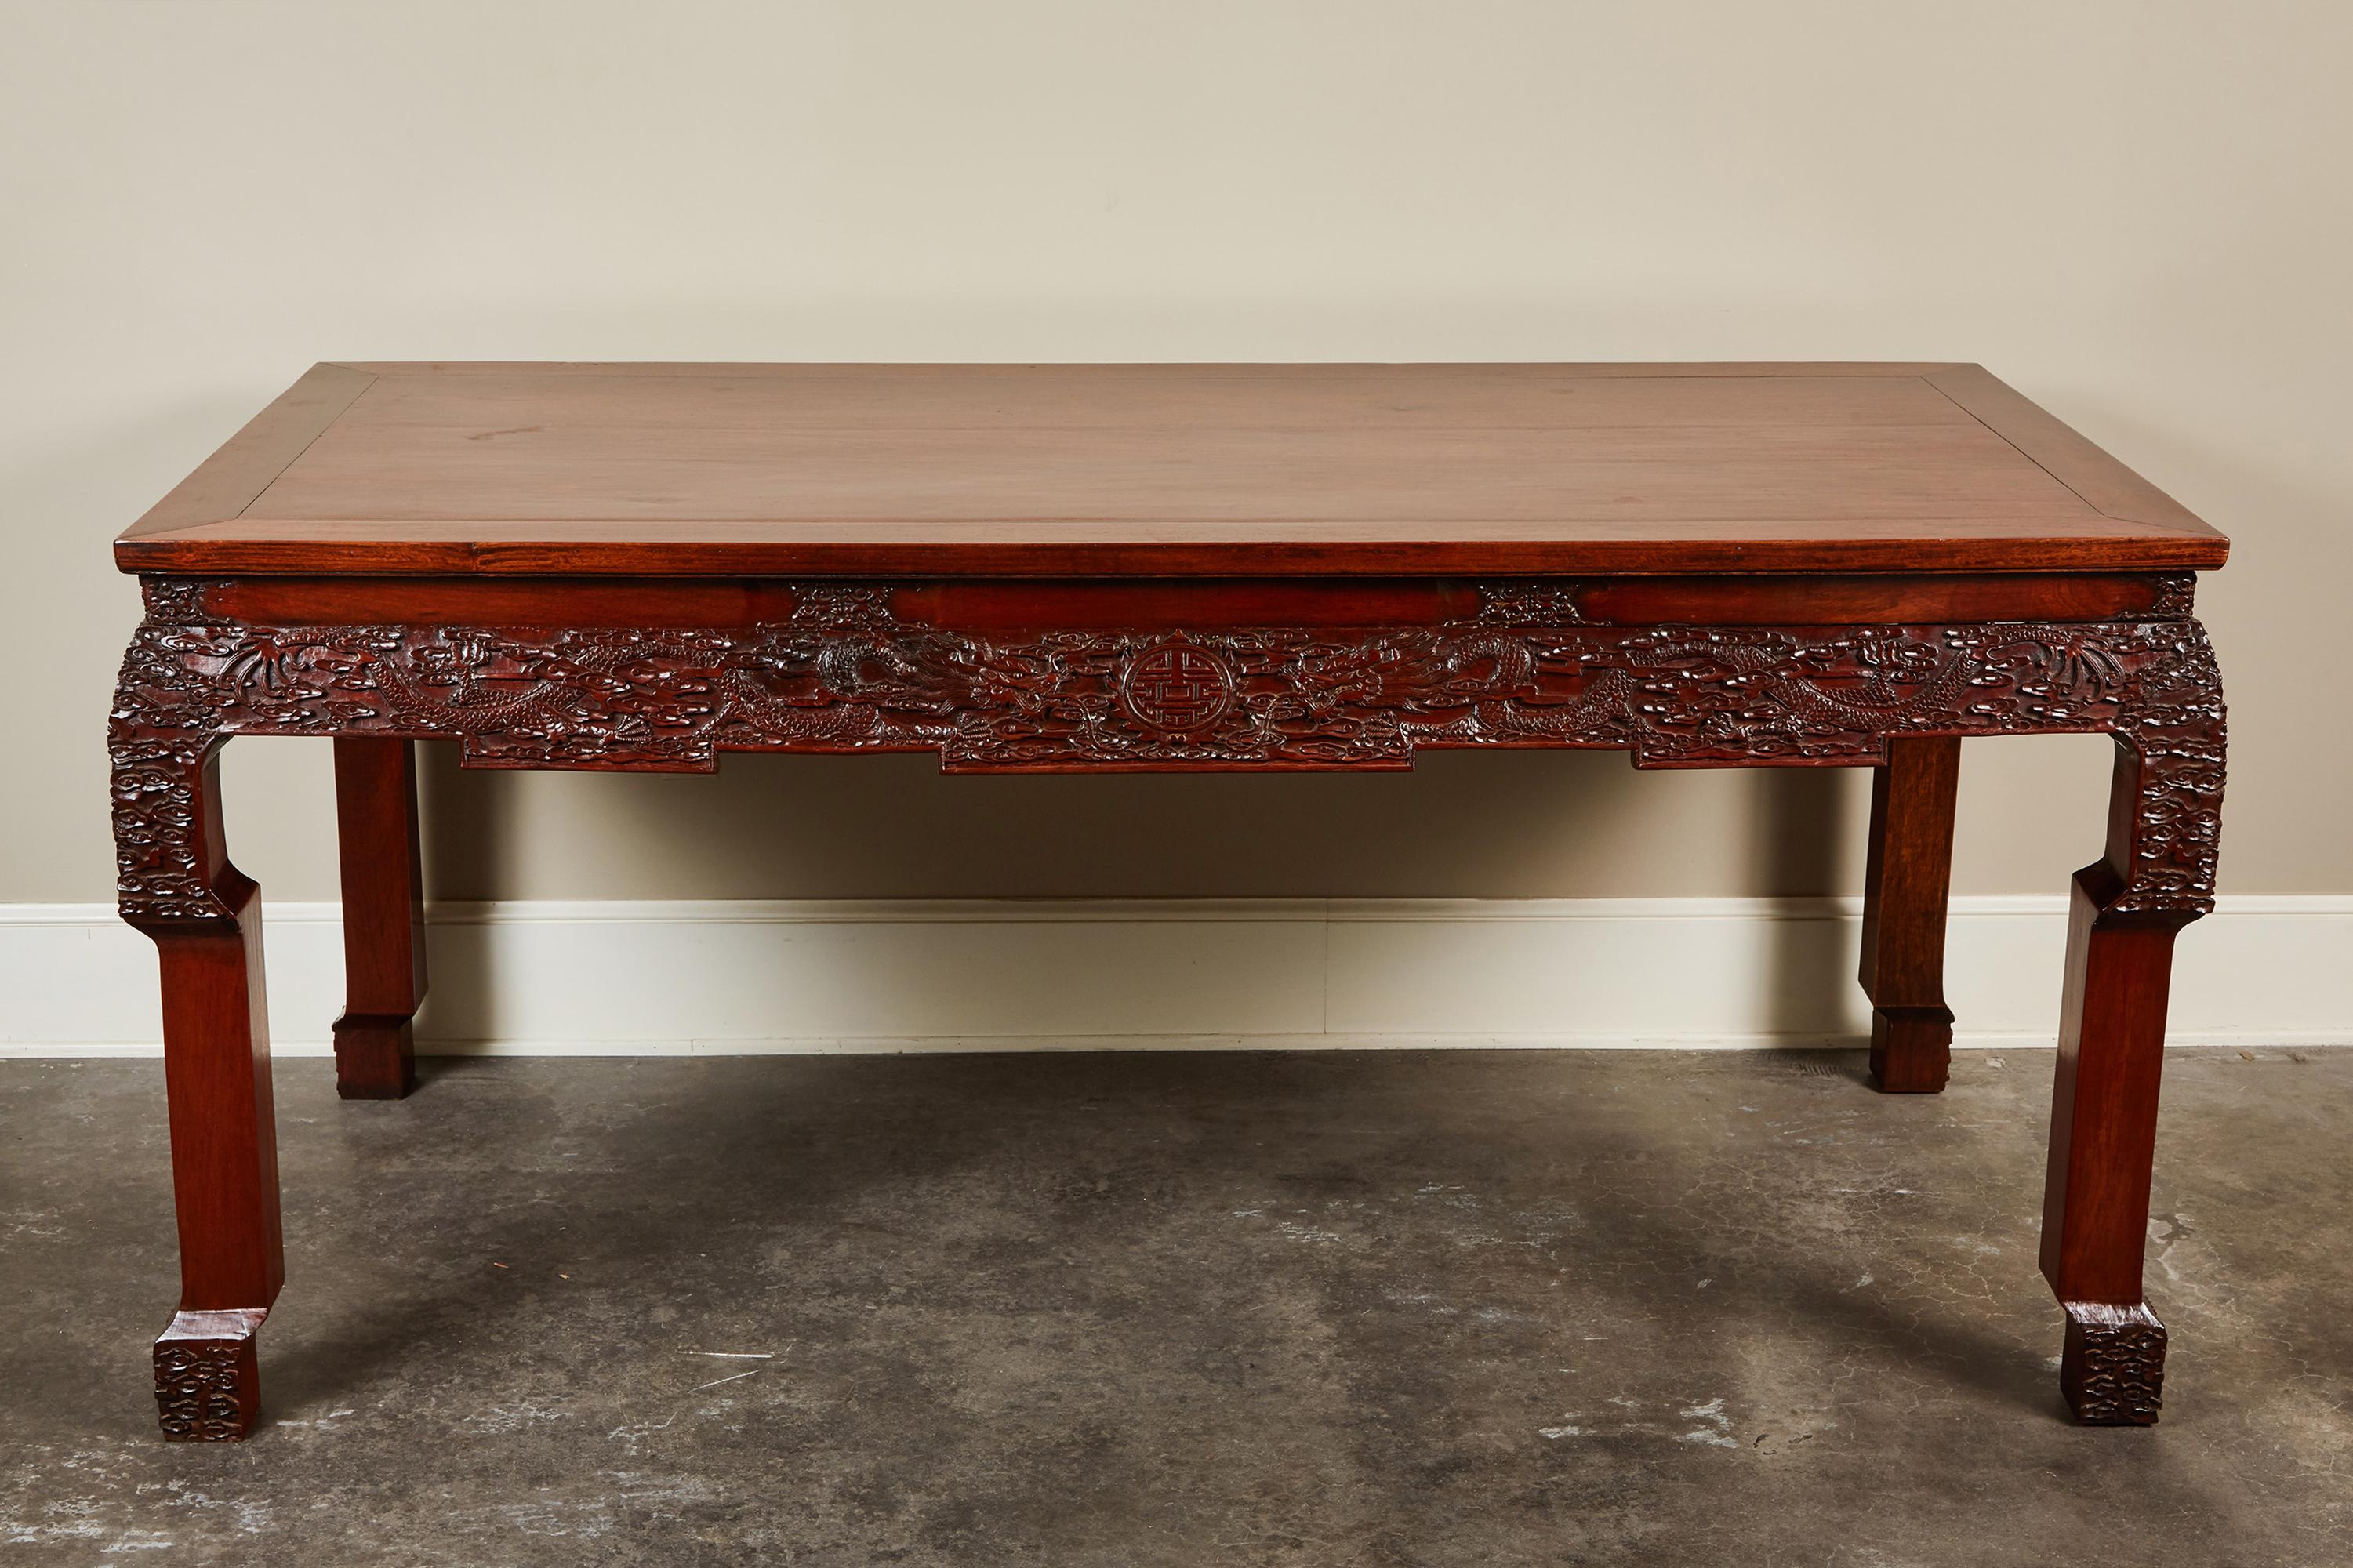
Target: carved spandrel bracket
{"points": [[169, 716], [843, 674], [2174, 719]]}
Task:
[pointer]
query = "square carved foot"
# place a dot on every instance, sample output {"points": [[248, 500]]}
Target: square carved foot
{"points": [[2112, 1373], [376, 1056], [207, 1380], [1911, 1049]]}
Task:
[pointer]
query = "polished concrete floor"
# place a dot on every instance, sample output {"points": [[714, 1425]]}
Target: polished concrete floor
{"points": [[1492, 1308]]}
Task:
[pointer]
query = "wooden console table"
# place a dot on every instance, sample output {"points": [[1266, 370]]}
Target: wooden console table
{"points": [[1084, 568]]}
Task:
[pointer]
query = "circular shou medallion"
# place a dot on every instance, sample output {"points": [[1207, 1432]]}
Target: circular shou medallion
{"points": [[1177, 687]]}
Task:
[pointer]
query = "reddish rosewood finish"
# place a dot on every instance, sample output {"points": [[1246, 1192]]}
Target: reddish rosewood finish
{"points": [[2103, 1122], [1090, 569], [1905, 890], [384, 916], [1001, 605], [217, 1083], [1017, 471]]}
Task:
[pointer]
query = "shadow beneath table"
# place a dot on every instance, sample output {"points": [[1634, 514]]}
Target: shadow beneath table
{"points": [[788, 1191]]}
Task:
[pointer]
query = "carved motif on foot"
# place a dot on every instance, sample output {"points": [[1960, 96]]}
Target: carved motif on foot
{"points": [[2112, 1373], [208, 1388]]}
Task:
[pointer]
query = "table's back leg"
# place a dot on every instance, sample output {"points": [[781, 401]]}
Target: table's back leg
{"points": [[207, 935], [1906, 889], [384, 916]]}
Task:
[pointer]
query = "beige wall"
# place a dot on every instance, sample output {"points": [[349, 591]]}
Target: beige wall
{"points": [[2137, 210]]}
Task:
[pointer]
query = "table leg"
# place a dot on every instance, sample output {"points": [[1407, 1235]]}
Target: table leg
{"points": [[2103, 1127], [384, 916], [224, 1137], [1905, 892]]}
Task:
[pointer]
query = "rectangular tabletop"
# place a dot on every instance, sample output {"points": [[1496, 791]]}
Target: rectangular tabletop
{"points": [[1159, 470]]}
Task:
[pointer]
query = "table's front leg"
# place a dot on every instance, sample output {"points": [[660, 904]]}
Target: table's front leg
{"points": [[2155, 878], [384, 915], [206, 918]]}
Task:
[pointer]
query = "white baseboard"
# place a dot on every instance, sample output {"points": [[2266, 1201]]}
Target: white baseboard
{"points": [[661, 978]]}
